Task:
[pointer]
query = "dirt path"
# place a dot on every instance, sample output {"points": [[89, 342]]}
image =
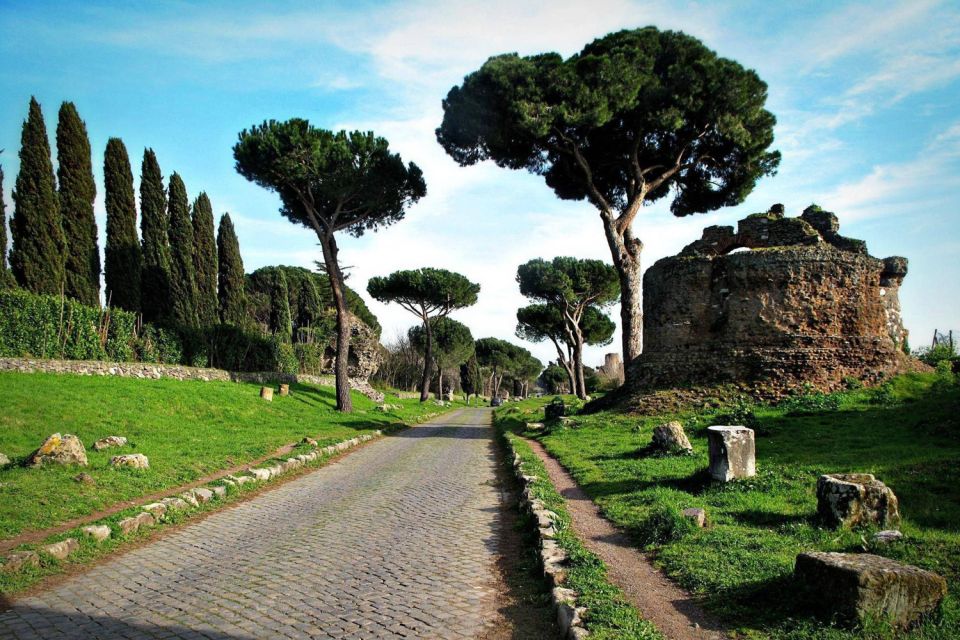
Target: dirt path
{"points": [[674, 611]]}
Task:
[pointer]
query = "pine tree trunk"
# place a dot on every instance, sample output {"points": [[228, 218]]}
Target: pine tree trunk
{"points": [[335, 276], [581, 387], [625, 250], [440, 395], [427, 361]]}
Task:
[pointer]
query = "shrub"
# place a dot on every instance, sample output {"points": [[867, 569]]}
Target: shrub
{"points": [[741, 412], [310, 357], [810, 403], [936, 354], [666, 523], [156, 344], [45, 326]]}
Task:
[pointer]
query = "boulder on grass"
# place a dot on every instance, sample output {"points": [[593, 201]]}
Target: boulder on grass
{"points": [[670, 437], [17, 560], [133, 460], [857, 587], [855, 499], [60, 550], [60, 449], [98, 532], [4, 460], [109, 441]]}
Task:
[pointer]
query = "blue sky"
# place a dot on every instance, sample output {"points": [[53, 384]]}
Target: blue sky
{"points": [[867, 96]]}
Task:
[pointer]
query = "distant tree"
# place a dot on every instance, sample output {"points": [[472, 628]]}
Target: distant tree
{"points": [[154, 225], [330, 182], [452, 344], [555, 378], [310, 309], [183, 278], [122, 259], [502, 359], [280, 323], [525, 372], [636, 116], [426, 293], [77, 193], [39, 244], [6, 278], [572, 286], [471, 380], [205, 261], [233, 306]]}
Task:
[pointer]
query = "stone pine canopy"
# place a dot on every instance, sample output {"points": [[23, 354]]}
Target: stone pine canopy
{"points": [[778, 303]]}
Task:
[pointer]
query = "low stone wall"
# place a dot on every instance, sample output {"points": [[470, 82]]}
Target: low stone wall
{"points": [[148, 370]]}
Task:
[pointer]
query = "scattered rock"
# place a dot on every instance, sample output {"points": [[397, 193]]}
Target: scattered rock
{"points": [[132, 460], [60, 550], [17, 560], [133, 524], [857, 587], [732, 452], [535, 426], [202, 494], [109, 441], [57, 449], [84, 478], [855, 499], [310, 441], [266, 393], [698, 516], [189, 498], [155, 508], [284, 390], [98, 532], [260, 474], [888, 536], [4, 460], [670, 437], [175, 504], [219, 491]]}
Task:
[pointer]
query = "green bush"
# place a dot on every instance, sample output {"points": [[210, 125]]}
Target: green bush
{"points": [[666, 523], [810, 403], [44, 326], [310, 357], [284, 357]]}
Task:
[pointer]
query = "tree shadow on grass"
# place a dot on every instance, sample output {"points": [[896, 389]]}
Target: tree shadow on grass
{"points": [[694, 484]]}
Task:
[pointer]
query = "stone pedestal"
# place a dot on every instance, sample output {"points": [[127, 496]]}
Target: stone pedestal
{"points": [[284, 390], [856, 499], [732, 452], [266, 393], [859, 586]]}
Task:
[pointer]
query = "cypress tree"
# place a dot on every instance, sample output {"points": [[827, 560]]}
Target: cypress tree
{"points": [[155, 276], [230, 276], [6, 278], [183, 279], [205, 261], [280, 323], [77, 192], [311, 306], [39, 244], [122, 253]]}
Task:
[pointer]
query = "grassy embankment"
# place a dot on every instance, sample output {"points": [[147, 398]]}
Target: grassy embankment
{"points": [[907, 433], [188, 430]]}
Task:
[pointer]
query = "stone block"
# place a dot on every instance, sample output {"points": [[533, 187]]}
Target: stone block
{"points": [[17, 560], [284, 390], [60, 449], [175, 504], [189, 498], [888, 536], [266, 393], [856, 499], [109, 441], [132, 460], [219, 491], [98, 532], [4, 460], [670, 437], [156, 508], [260, 474], [202, 494], [732, 452], [60, 550], [697, 516], [859, 586]]}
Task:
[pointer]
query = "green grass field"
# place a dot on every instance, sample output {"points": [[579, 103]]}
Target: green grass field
{"points": [[188, 430], [907, 433]]}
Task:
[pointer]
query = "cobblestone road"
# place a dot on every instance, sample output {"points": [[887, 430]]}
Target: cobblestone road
{"points": [[396, 540]]}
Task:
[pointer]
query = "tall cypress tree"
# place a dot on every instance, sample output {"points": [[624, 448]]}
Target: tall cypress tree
{"points": [[280, 323], [205, 261], [155, 276], [6, 278], [183, 279], [230, 277], [39, 244], [77, 192], [123, 261]]}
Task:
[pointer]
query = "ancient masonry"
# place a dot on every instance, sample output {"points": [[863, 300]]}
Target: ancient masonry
{"points": [[780, 303]]}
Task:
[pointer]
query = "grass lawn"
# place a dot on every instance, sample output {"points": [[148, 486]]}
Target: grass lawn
{"points": [[188, 430], [907, 433]]}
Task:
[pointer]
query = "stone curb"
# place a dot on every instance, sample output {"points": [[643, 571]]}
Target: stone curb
{"points": [[553, 557], [151, 514]]}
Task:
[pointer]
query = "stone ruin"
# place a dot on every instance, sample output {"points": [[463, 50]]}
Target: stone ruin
{"points": [[779, 303], [612, 367]]}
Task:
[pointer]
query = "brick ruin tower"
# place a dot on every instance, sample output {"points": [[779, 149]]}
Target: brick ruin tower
{"points": [[780, 303]]}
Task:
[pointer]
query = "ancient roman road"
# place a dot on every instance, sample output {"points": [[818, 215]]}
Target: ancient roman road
{"points": [[395, 540]]}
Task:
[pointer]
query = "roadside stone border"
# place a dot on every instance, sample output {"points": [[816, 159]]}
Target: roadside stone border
{"points": [[151, 370], [153, 513], [552, 556]]}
